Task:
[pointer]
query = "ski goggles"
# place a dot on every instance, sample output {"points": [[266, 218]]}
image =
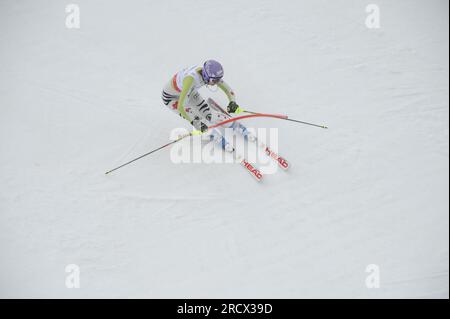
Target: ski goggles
{"points": [[210, 80], [213, 81]]}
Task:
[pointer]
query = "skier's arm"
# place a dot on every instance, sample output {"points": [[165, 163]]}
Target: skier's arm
{"points": [[227, 90], [187, 85], [232, 106]]}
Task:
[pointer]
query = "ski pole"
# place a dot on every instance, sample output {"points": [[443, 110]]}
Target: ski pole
{"points": [[153, 151], [292, 120], [232, 119]]}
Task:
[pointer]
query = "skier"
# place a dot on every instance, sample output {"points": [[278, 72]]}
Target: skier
{"points": [[181, 95]]}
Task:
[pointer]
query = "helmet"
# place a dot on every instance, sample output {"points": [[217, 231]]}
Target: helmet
{"points": [[212, 72]]}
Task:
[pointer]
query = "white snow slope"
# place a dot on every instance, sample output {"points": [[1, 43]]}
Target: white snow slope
{"points": [[373, 189]]}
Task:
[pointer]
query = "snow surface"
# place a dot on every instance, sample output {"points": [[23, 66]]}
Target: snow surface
{"points": [[373, 189]]}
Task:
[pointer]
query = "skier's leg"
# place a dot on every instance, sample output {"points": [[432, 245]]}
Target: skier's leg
{"points": [[241, 129], [236, 126], [200, 107], [197, 104], [171, 97], [218, 137]]}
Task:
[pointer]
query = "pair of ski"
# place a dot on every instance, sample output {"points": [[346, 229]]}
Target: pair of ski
{"points": [[254, 170], [249, 167]]}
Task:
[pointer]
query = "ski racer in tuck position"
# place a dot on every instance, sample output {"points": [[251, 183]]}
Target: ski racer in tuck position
{"points": [[181, 95]]}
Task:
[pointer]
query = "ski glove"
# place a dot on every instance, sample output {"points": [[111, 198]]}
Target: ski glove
{"points": [[200, 126], [234, 108], [203, 127]]}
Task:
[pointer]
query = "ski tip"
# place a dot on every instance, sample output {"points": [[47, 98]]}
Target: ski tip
{"points": [[259, 177]]}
